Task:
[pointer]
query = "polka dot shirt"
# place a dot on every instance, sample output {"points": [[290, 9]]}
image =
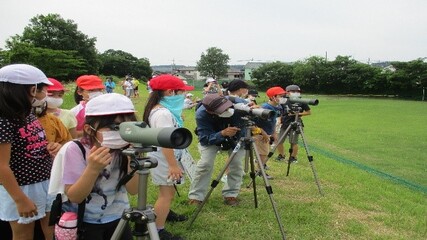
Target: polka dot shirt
{"points": [[30, 161]]}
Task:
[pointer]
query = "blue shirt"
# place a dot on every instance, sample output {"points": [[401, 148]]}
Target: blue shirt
{"points": [[268, 125], [209, 126]]}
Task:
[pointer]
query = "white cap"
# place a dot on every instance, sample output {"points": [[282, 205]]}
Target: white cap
{"points": [[23, 74], [109, 104], [189, 95], [209, 79]]}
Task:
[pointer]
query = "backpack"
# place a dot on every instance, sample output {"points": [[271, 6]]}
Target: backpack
{"points": [[68, 225]]}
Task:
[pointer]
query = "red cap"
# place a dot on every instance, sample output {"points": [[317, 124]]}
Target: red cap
{"points": [[89, 82], [271, 92], [167, 81], [57, 86]]}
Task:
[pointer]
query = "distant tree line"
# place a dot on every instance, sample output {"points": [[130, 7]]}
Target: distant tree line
{"points": [[57, 47], [346, 76]]}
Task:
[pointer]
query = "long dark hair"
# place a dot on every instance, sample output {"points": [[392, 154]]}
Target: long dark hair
{"points": [[153, 100], [77, 97], [14, 101], [98, 122]]}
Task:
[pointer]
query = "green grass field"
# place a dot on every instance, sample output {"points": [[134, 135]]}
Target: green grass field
{"points": [[370, 158]]}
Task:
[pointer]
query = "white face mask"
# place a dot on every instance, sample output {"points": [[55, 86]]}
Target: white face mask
{"points": [[294, 94], [113, 140], [54, 102], [94, 94], [282, 100], [38, 103], [228, 113], [251, 98]]}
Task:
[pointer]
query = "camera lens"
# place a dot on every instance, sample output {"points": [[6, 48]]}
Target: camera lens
{"points": [[177, 138]]}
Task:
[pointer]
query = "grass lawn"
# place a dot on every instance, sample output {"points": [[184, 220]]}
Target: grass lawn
{"points": [[370, 157]]}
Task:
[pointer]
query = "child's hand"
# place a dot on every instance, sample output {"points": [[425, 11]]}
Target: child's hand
{"points": [[53, 148], [26, 208], [99, 158]]}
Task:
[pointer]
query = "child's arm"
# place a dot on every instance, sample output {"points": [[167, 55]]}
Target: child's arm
{"points": [[25, 206], [98, 159]]}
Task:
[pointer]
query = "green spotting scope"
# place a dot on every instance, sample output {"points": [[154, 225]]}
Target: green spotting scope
{"points": [[139, 133]]}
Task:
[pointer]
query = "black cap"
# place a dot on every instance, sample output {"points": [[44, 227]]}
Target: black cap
{"points": [[253, 93], [236, 85]]}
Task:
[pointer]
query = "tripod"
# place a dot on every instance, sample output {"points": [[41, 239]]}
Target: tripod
{"points": [[248, 144], [143, 216], [296, 128]]}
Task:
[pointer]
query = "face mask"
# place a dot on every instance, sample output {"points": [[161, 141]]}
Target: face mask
{"points": [[228, 113], [174, 104], [38, 103], [282, 100], [113, 140], [94, 94], [54, 102], [294, 94], [251, 98]]}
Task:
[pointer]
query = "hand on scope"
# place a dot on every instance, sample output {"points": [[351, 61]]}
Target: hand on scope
{"points": [[229, 131]]}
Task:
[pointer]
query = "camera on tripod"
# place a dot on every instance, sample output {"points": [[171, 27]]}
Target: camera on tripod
{"points": [[257, 112], [139, 134]]}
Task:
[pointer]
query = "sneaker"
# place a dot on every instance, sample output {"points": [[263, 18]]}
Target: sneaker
{"points": [[293, 160], [224, 178], [194, 202], [175, 217], [280, 158], [231, 201], [165, 235]]}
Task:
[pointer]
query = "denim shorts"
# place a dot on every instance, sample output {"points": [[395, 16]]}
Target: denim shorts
{"points": [[37, 192]]}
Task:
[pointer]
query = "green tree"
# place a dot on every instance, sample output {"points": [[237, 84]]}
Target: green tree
{"points": [[213, 63], [120, 63], [63, 65], [273, 74], [311, 74], [55, 33]]}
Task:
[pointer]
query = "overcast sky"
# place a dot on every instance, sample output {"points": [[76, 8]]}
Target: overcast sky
{"points": [[167, 31]]}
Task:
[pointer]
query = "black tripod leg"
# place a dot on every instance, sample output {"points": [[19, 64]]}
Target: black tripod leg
{"points": [[215, 183], [253, 176], [310, 160], [269, 189], [289, 161]]}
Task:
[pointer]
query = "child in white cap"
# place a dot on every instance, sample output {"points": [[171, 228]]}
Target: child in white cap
{"points": [[95, 176]]}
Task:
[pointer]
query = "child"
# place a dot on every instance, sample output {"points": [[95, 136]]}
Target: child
{"points": [[164, 109], [88, 87], [268, 133], [96, 175], [56, 132], [25, 160], [54, 100]]}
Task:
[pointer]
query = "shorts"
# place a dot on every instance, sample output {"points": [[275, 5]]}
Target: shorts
{"points": [[292, 135], [37, 192], [159, 174], [262, 147]]}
